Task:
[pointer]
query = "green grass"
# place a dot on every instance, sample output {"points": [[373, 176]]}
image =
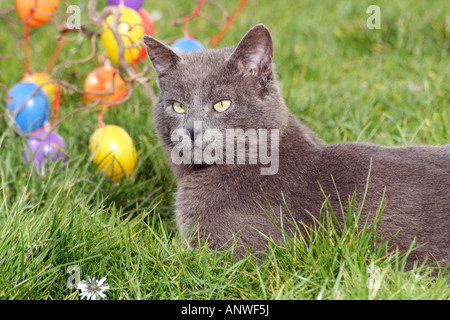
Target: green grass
{"points": [[348, 83]]}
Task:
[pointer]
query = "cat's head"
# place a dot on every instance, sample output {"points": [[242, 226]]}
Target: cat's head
{"points": [[228, 88]]}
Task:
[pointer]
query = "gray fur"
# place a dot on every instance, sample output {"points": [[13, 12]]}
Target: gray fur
{"points": [[219, 201]]}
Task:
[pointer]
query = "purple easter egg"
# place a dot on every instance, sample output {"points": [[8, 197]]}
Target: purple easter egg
{"points": [[134, 4], [52, 147]]}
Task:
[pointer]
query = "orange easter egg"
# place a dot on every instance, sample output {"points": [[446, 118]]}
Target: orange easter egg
{"points": [[101, 79], [36, 13]]}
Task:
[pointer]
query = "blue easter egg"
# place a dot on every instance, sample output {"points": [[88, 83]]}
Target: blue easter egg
{"points": [[35, 112], [187, 45]]}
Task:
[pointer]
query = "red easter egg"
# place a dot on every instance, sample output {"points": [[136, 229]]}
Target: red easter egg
{"points": [[147, 21]]}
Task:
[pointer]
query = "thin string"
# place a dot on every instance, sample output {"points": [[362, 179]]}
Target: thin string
{"points": [[185, 28], [101, 123], [56, 103], [27, 50]]}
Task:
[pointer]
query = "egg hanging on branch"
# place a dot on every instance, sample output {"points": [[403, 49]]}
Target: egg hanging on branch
{"points": [[39, 78], [149, 29], [131, 31], [107, 79], [28, 105], [36, 13]]}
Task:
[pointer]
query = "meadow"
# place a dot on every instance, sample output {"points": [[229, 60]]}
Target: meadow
{"points": [[345, 81]]}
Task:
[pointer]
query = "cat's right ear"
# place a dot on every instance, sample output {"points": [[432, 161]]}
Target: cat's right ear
{"points": [[254, 52], [162, 57]]}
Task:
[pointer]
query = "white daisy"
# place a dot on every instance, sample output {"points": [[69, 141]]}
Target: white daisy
{"points": [[93, 288]]}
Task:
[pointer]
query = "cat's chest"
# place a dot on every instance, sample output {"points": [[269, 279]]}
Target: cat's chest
{"points": [[218, 187], [237, 189]]}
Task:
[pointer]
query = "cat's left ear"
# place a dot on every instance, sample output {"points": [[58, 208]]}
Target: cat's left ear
{"points": [[163, 58], [254, 52]]}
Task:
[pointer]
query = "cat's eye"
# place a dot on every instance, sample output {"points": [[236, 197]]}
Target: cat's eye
{"points": [[178, 107], [222, 105]]}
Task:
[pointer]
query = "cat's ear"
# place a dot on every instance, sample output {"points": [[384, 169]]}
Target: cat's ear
{"points": [[254, 52], [162, 57]]}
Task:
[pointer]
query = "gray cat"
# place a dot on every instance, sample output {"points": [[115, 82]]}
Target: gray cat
{"points": [[232, 95]]}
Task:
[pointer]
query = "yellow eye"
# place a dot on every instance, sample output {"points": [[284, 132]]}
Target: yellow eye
{"points": [[178, 107], [222, 106]]}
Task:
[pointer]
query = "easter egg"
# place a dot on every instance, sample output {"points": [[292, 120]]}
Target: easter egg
{"points": [[148, 26], [131, 31], [39, 78], [43, 151], [187, 45], [34, 112], [113, 152], [101, 79], [135, 4], [36, 13]]}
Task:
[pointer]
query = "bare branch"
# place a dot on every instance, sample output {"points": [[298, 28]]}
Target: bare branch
{"points": [[129, 74]]}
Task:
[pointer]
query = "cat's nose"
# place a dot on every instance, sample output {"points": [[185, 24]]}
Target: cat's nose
{"points": [[189, 127]]}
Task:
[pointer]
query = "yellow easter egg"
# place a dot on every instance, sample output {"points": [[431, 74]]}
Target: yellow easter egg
{"points": [[40, 77], [113, 152], [131, 30]]}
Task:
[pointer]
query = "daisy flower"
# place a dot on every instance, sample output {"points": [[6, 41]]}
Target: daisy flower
{"points": [[93, 288]]}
